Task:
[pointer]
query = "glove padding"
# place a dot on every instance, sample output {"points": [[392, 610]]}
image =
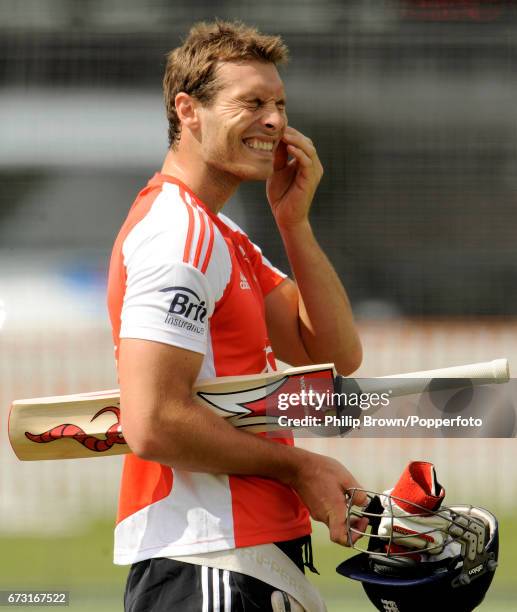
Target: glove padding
{"points": [[409, 510], [411, 531], [413, 520]]}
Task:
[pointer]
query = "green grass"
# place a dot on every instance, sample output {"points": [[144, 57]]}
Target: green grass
{"points": [[82, 565]]}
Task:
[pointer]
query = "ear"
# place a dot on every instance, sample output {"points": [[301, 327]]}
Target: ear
{"points": [[187, 109]]}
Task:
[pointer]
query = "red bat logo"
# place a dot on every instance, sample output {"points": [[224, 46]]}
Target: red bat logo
{"points": [[97, 445]]}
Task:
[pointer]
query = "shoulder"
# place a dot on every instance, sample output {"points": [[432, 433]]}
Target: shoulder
{"points": [[239, 235], [173, 229], [233, 226], [170, 235], [251, 249]]}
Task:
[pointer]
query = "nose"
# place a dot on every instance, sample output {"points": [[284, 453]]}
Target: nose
{"points": [[274, 118]]}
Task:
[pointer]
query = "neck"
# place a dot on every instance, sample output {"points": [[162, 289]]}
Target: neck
{"points": [[212, 186]]}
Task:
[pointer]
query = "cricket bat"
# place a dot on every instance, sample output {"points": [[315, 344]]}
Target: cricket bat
{"points": [[88, 424]]}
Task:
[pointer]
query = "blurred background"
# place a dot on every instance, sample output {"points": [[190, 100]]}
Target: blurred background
{"points": [[412, 107]]}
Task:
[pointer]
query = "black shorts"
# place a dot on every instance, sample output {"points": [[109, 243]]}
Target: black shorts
{"points": [[166, 585]]}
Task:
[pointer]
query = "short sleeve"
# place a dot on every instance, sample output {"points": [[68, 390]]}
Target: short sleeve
{"points": [[169, 303], [166, 299]]}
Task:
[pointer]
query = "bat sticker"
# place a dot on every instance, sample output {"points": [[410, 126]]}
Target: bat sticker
{"points": [[67, 430]]}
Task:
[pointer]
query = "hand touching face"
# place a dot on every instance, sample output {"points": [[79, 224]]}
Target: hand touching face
{"points": [[291, 187]]}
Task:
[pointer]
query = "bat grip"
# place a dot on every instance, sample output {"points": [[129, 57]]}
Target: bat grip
{"points": [[457, 377]]}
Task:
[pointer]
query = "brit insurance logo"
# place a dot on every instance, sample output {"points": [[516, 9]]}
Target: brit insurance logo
{"points": [[187, 310]]}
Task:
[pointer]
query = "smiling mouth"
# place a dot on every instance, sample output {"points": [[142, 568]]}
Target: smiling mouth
{"points": [[259, 145]]}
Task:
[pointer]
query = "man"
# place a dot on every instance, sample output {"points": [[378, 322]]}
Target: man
{"points": [[190, 296]]}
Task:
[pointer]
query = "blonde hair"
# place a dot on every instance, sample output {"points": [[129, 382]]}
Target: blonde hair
{"points": [[191, 68]]}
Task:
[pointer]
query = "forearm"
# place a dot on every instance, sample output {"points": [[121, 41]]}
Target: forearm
{"points": [[188, 436], [327, 327], [197, 440], [162, 423]]}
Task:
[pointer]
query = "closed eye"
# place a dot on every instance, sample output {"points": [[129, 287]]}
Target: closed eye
{"points": [[258, 102], [255, 102]]}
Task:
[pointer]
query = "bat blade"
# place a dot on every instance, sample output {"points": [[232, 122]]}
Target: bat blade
{"points": [[67, 427], [88, 424]]}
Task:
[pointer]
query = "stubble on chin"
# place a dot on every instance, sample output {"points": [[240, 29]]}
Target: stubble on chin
{"points": [[256, 175], [241, 171], [250, 171]]}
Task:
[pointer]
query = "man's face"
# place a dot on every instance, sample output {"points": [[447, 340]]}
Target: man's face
{"points": [[242, 127]]}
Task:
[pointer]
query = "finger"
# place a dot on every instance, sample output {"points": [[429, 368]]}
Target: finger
{"points": [[293, 132], [338, 531], [280, 160], [302, 158], [303, 143], [290, 133], [337, 524], [358, 496], [359, 529]]}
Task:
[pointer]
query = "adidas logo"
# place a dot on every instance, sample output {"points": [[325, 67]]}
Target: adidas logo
{"points": [[244, 282]]}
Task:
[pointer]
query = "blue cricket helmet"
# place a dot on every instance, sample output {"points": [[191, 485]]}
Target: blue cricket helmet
{"points": [[397, 579]]}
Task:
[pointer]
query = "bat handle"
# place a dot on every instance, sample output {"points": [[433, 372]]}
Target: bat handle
{"points": [[457, 377]]}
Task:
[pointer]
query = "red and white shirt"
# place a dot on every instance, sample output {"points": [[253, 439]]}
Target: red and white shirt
{"points": [[183, 276]]}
